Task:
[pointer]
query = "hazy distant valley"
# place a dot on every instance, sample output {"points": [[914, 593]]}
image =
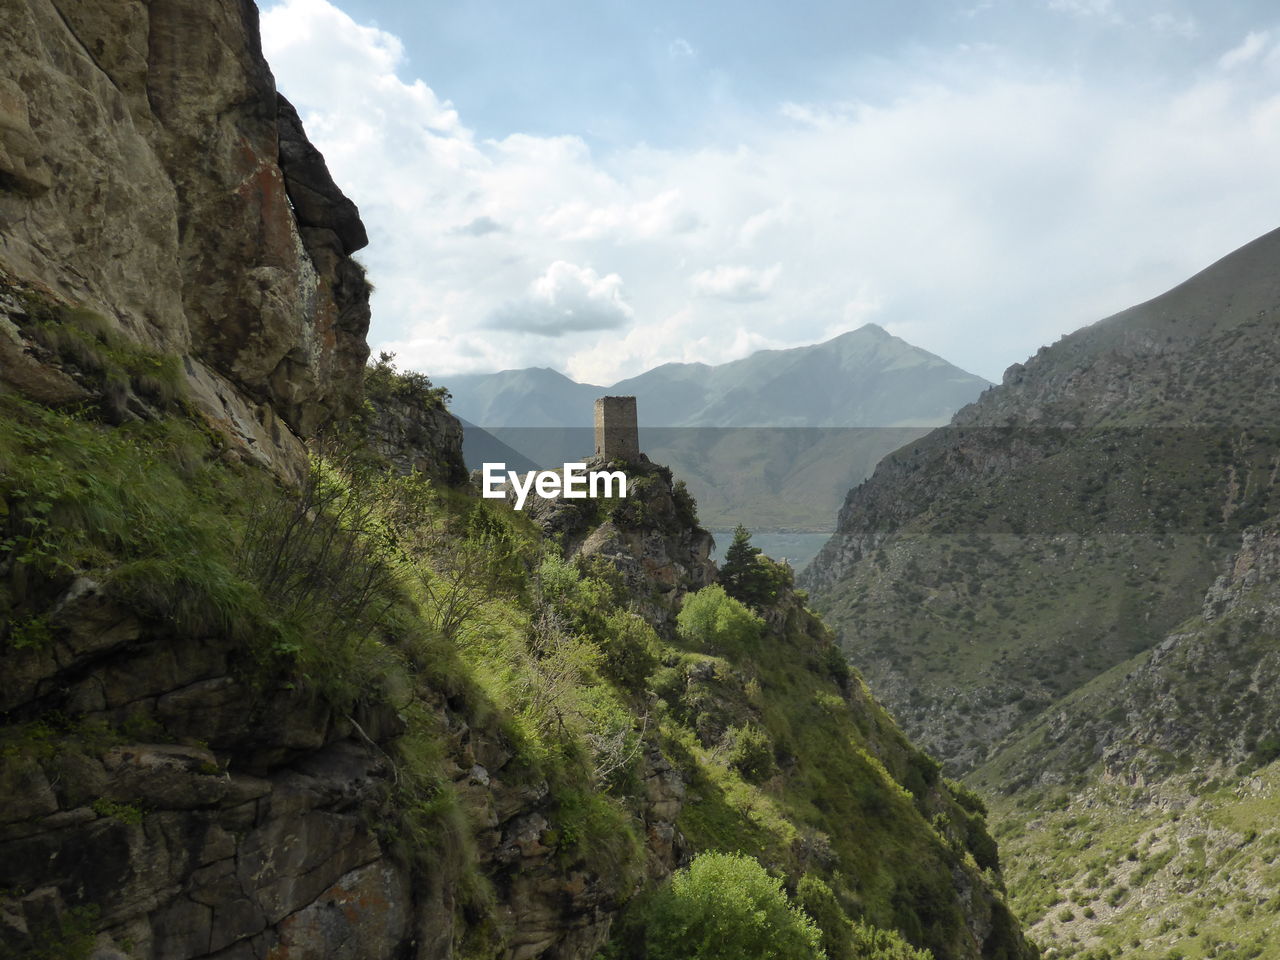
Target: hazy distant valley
{"points": [[772, 441]]}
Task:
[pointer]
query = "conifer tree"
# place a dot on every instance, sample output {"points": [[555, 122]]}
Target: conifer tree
{"points": [[747, 575], [739, 563]]}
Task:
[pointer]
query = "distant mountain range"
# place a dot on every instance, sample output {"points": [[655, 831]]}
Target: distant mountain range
{"points": [[772, 441], [864, 378]]}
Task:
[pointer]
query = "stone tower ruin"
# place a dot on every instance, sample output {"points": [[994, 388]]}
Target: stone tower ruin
{"points": [[617, 436]]}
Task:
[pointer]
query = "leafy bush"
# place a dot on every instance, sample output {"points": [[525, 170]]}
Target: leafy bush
{"points": [[627, 642], [382, 381], [966, 798], [716, 621], [726, 907], [752, 754], [686, 505], [630, 648], [843, 939]]}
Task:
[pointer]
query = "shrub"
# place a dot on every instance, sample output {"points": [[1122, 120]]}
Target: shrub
{"points": [[686, 505], [752, 754], [714, 620], [630, 648], [382, 381], [837, 665], [322, 548], [726, 907], [967, 799]]}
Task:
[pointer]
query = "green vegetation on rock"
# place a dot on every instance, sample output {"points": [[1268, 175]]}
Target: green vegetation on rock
{"points": [[726, 907], [532, 716]]}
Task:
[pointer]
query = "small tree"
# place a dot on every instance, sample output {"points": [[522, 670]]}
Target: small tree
{"points": [[748, 575], [717, 622], [752, 753], [726, 907]]}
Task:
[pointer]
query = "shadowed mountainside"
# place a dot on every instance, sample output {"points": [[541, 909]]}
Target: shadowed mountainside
{"points": [[1068, 592]]}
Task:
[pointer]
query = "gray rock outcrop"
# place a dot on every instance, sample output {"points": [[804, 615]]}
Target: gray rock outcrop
{"points": [[149, 172]]}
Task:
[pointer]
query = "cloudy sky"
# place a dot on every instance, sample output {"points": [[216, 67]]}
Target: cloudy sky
{"points": [[600, 186]]}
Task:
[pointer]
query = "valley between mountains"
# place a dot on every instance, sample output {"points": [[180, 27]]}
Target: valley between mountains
{"points": [[277, 683], [1068, 595]]}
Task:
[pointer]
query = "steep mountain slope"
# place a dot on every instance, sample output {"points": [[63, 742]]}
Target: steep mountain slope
{"points": [[1071, 593], [267, 699], [1070, 518], [863, 378], [1141, 810], [480, 447], [536, 397]]}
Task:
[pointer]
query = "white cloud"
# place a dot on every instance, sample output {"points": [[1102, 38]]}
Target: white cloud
{"points": [[566, 299], [983, 215], [760, 225], [657, 216], [736, 284], [1249, 49], [1102, 9], [342, 57], [680, 48]]}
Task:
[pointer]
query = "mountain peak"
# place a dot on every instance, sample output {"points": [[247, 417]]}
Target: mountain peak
{"points": [[865, 377]]}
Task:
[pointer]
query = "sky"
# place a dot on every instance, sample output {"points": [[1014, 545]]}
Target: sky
{"points": [[602, 186]]}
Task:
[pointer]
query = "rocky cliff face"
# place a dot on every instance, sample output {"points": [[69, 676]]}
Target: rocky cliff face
{"points": [[652, 536], [339, 717], [418, 437], [150, 173], [259, 828]]}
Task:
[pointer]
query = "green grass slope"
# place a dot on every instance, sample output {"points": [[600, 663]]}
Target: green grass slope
{"points": [[361, 595], [1139, 818]]}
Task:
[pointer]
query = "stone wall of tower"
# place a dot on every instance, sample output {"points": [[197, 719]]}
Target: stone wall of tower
{"points": [[617, 436]]}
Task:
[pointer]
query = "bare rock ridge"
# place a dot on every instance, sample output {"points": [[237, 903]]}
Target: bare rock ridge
{"points": [[127, 129]]}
